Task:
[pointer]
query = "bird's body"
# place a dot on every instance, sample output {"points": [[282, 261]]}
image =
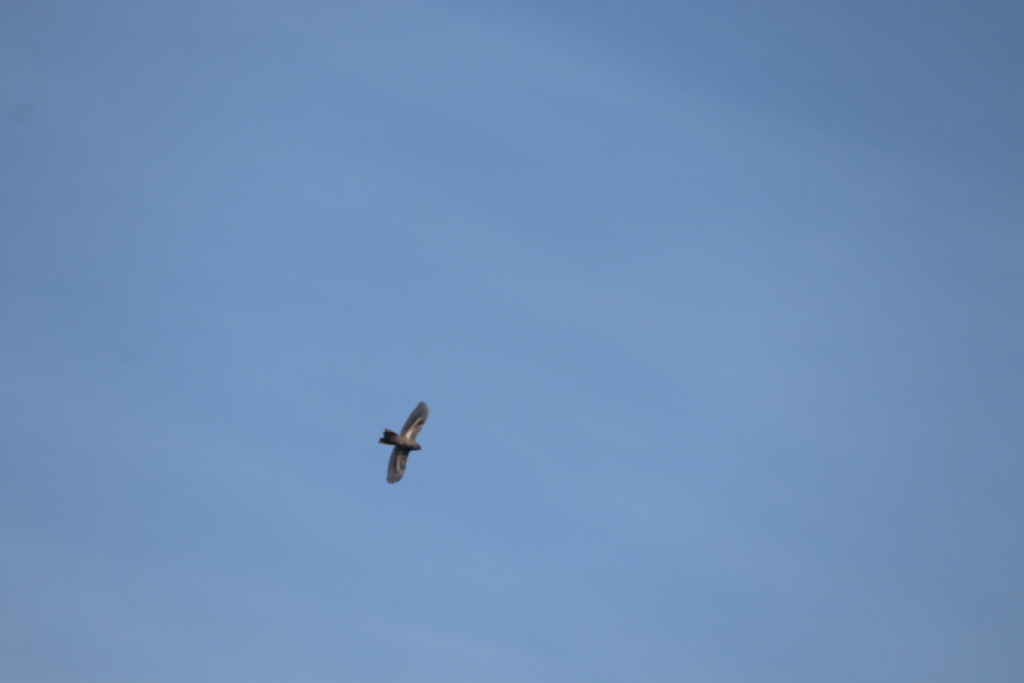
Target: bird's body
{"points": [[404, 442]]}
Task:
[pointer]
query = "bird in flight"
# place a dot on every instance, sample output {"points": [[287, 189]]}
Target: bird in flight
{"points": [[404, 442]]}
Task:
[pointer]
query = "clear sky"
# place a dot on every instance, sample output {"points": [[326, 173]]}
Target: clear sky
{"points": [[718, 308]]}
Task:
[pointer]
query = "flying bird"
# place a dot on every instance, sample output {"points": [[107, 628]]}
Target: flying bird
{"points": [[404, 442]]}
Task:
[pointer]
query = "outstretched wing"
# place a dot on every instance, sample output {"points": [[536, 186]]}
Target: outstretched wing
{"points": [[415, 422], [396, 466]]}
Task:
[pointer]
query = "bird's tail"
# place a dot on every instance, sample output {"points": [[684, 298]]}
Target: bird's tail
{"points": [[389, 437]]}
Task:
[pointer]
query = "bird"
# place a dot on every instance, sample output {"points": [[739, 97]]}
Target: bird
{"points": [[404, 442]]}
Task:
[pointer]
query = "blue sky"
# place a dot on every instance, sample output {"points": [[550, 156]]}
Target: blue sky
{"points": [[717, 308]]}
